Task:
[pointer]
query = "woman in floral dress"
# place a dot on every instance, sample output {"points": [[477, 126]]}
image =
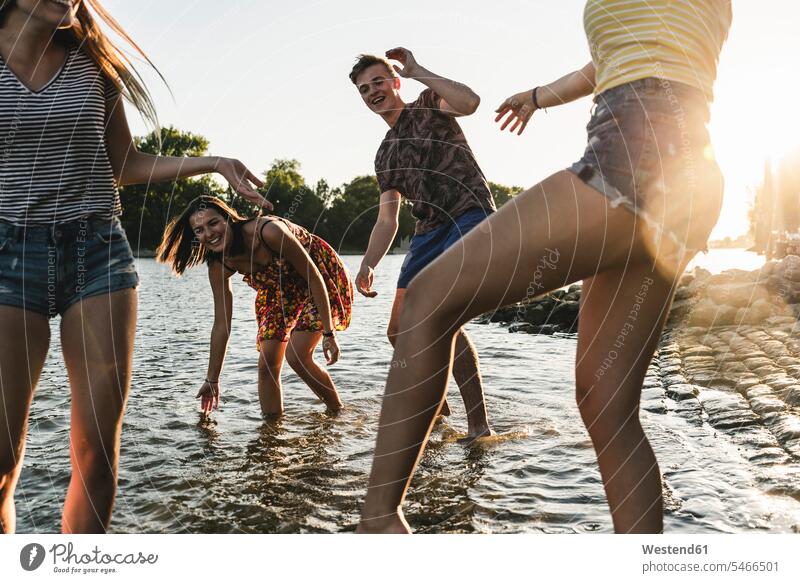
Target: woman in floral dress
{"points": [[304, 294]]}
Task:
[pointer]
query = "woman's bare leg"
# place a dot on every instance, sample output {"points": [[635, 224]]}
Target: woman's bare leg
{"points": [[300, 356], [557, 232], [622, 314], [24, 341], [270, 362], [394, 326], [97, 341]]}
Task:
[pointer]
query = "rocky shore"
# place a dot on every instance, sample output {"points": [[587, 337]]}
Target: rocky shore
{"points": [[554, 312], [765, 297], [729, 357]]}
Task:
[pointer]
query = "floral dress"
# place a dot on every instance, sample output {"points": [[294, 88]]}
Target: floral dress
{"points": [[283, 298]]}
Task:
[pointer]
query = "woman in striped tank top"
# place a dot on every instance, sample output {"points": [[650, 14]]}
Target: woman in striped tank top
{"points": [[626, 219], [65, 148]]}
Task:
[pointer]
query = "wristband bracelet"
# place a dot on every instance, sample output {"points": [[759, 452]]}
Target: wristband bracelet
{"points": [[328, 334], [535, 100], [212, 382]]}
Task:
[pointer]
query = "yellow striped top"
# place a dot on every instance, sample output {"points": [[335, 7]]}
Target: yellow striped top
{"points": [[672, 39]]}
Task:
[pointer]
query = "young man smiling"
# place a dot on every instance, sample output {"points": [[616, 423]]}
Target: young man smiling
{"points": [[426, 159]]}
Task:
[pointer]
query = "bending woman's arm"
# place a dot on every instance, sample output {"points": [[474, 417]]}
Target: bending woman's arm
{"points": [[568, 88], [220, 280], [280, 239], [133, 167]]}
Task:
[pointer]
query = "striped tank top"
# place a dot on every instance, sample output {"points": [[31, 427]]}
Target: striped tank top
{"points": [[678, 40], [54, 165]]}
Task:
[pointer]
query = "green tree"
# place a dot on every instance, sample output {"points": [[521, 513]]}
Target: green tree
{"points": [[353, 214], [149, 207], [293, 199], [502, 194]]}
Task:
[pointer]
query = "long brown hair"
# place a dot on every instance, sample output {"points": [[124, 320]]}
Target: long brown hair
{"points": [[179, 247], [115, 65]]}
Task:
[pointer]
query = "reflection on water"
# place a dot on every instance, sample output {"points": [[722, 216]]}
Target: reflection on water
{"points": [[307, 471]]}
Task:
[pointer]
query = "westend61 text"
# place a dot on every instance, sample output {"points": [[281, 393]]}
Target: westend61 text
{"points": [[673, 550], [64, 554]]}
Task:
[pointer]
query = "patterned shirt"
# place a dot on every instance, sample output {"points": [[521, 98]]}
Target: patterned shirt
{"points": [[425, 156]]}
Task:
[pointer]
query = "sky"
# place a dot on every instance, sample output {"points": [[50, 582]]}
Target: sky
{"points": [[268, 79]]}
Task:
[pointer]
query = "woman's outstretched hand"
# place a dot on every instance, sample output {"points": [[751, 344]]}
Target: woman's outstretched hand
{"points": [[519, 108], [242, 181], [330, 349], [209, 397]]}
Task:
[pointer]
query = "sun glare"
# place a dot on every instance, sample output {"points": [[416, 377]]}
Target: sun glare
{"points": [[745, 136]]}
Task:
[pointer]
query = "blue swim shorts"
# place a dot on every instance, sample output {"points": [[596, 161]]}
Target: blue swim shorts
{"points": [[428, 246]]}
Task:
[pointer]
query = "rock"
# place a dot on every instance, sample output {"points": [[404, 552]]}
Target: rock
{"points": [[786, 427], [698, 351], [703, 313], [792, 396], [775, 348], [565, 314], [780, 381], [725, 316], [743, 384], [483, 319], [524, 327], [790, 268], [507, 314], [779, 321], [721, 383], [681, 392], [733, 419], [734, 275], [547, 329], [700, 274], [547, 303], [699, 361], [740, 295], [575, 287], [736, 368], [757, 391], [701, 377], [680, 309], [535, 315], [684, 293], [766, 405], [769, 267], [755, 315]]}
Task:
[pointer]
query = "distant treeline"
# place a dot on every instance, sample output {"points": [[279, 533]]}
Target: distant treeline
{"points": [[343, 216]]}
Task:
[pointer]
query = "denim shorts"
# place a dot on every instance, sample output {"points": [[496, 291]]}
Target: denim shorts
{"points": [[46, 269], [428, 246], [649, 151]]}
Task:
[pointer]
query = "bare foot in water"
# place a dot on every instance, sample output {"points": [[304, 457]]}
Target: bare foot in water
{"points": [[473, 437], [391, 524]]}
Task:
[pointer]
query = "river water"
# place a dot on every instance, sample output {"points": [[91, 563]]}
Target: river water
{"points": [[307, 472]]}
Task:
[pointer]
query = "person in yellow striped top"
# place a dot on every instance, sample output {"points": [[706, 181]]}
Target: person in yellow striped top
{"points": [[626, 219], [678, 40]]}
